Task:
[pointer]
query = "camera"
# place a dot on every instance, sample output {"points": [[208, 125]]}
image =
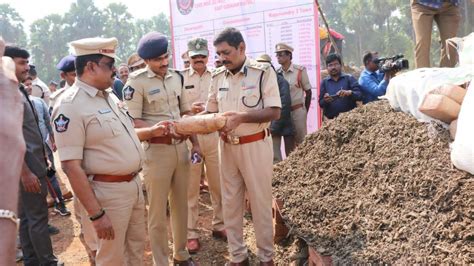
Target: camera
{"points": [[394, 63]]}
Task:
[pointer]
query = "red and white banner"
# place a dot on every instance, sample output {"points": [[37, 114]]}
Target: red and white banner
{"points": [[263, 24]]}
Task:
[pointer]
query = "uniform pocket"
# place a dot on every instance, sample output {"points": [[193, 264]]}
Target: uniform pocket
{"points": [[156, 98], [250, 99], [222, 97], [110, 124]]}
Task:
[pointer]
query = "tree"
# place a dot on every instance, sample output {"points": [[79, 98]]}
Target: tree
{"points": [[371, 25], [83, 20], [11, 27], [159, 23], [118, 23], [48, 45]]}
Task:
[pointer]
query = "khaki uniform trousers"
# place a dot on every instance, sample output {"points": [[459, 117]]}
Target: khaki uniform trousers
{"points": [[298, 117], [166, 173], [209, 144], [289, 142], [124, 204], [447, 18], [247, 167]]}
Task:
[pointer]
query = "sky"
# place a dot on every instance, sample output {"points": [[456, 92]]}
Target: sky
{"points": [[31, 10]]}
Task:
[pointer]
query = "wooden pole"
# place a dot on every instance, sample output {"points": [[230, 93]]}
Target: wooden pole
{"points": [[331, 39]]}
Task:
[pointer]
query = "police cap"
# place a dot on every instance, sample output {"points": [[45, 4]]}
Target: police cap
{"points": [[152, 45], [280, 47], [66, 64]]}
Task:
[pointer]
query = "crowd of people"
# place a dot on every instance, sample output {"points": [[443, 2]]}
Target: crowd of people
{"points": [[108, 125], [112, 130]]}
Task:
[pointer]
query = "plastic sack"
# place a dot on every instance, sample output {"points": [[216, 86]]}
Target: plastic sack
{"points": [[464, 47], [462, 149], [406, 91]]}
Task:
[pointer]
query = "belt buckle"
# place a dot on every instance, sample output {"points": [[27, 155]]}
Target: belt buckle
{"points": [[233, 139]]}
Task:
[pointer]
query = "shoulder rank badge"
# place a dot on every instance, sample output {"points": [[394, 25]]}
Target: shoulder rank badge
{"points": [[61, 123], [128, 93]]}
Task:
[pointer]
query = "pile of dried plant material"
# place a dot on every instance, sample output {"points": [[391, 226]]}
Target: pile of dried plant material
{"points": [[378, 186]]}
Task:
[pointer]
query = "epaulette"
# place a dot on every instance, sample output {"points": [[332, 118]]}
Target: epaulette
{"points": [[217, 71], [298, 67], [137, 73], [69, 95], [56, 93], [182, 71], [179, 74], [258, 65]]}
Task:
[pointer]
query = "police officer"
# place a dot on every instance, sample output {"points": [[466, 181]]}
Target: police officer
{"points": [[101, 155], [282, 127], [67, 69], [154, 94], [134, 62], [300, 88], [39, 89], [68, 73], [197, 80], [246, 92], [185, 58]]}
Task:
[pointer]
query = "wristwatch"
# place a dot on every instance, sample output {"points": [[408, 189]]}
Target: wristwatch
{"points": [[9, 215]]}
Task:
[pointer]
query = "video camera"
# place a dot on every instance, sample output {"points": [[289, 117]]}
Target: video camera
{"points": [[394, 63]]}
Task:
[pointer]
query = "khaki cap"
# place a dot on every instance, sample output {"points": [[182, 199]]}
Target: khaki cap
{"points": [[185, 56], [281, 47], [264, 58], [97, 45], [197, 46], [135, 60]]}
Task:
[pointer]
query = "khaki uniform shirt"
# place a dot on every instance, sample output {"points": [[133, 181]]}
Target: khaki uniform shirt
{"points": [[297, 88], [55, 95], [90, 126], [196, 87], [39, 89], [241, 92], [153, 99]]}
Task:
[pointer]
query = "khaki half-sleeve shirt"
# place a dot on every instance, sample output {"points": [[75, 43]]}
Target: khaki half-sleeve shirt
{"points": [[91, 126], [254, 87], [196, 87], [297, 87], [153, 99]]}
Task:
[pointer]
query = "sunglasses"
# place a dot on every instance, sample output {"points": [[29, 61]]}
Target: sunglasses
{"points": [[109, 64]]}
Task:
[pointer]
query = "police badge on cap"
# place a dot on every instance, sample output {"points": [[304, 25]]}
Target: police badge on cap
{"points": [[61, 123]]}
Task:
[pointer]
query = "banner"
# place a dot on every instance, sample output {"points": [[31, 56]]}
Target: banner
{"points": [[263, 24]]}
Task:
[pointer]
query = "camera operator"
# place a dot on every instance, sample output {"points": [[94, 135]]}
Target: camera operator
{"points": [[372, 80]]}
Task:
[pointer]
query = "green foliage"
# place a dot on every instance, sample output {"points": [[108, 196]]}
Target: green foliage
{"points": [[11, 28], [49, 36], [83, 20], [119, 23], [383, 26], [48, 44]]}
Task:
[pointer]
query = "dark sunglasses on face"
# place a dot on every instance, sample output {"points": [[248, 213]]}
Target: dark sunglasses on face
{"points": [[109, 65]]}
